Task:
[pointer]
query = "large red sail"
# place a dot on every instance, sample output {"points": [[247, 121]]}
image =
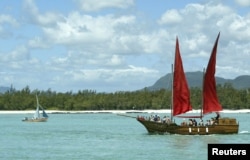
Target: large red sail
{"points": [[210, 99], [181, 96]]}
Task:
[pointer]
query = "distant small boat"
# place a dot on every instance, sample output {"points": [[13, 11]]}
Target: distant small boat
{"points": [[37, 116], [181, 104]]}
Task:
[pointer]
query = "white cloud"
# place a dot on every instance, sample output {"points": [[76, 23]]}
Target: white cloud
{"points": [[95, 5], [117, 51], [195, 42], [8, 19], [240, 27], [38, 42], [115, 60], [130, 78], [244, 3], [79, 29], [170, 17], [19, 54], [48, 18], [6, 22]]}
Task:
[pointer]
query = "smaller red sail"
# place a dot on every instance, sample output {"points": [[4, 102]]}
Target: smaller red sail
{"points": [[210, 99], [181, 95]]}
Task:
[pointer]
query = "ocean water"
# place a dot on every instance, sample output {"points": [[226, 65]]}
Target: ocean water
{"points": [[103, 137]]}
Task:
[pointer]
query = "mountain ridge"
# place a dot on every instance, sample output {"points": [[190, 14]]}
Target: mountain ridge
{"points": [[194, 79]]}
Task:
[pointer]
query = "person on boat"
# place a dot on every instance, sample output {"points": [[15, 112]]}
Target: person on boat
{"points": [[151, 118], [156, 118], [159, 119], [164, 119], [217, 116], [212, 121], [194, 122], [168, 120], [208, 123], [190, 123], [201, 123]]}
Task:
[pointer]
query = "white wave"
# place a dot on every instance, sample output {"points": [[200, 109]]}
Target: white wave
{"points": [[244, 132]]}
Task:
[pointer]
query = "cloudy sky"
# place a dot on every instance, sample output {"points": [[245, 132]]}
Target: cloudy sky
{"points": [[117, 45]]}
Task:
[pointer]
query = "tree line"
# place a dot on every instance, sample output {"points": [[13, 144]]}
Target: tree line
{"points": [[24, 99]]}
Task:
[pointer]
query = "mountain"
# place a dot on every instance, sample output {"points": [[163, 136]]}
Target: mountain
{"points": [[195, 80]]}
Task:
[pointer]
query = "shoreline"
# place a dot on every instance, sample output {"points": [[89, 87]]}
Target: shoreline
{"points": [[112, 111]]}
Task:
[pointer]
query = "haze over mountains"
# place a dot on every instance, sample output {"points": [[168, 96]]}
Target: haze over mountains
{"points": [[195, 80]]}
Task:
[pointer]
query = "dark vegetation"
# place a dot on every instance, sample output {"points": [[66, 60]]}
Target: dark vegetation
{"points": [[24, 99]]}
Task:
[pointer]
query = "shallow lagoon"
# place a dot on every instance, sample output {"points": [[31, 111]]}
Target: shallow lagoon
{"points": [[104, 136]]}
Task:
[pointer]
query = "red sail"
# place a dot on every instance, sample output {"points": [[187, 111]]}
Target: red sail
{"points": [[210, 99], [181, 96]]}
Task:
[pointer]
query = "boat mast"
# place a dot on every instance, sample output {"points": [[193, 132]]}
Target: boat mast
{"points": [[172, 88], [202, 97]]}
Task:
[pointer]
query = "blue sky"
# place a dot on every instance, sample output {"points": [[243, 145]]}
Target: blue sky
{"points": [[117, 45]]}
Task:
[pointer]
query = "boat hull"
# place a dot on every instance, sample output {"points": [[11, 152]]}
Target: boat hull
{"points": [[227, 126], [35, 120]]}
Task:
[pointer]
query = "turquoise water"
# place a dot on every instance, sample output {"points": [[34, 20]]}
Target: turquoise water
{"points": [[103, 137]]}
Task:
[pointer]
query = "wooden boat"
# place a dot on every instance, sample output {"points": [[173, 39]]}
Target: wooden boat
{"points": [[37, 116], [181, 104]]}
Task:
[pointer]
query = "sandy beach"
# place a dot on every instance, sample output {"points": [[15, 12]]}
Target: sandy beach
{"points": [[84, 112], [113, 111]]}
